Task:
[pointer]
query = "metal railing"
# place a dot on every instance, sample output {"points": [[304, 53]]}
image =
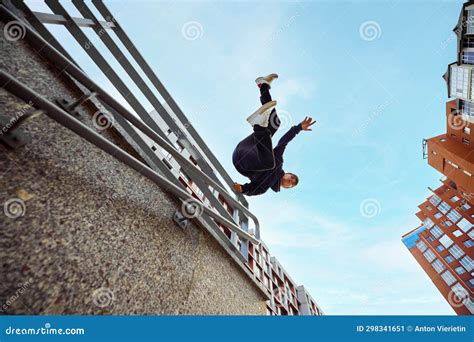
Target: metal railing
{"points": [[147, 126]]}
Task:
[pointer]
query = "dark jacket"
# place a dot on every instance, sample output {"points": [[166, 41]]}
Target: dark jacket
{"points": [[261, 181]]}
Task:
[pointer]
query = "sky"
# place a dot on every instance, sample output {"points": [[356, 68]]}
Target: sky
{"points": [[369, 72]]}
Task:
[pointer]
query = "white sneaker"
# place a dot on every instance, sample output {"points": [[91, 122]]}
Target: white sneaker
{"points": [[262, 115], [266, 79]]}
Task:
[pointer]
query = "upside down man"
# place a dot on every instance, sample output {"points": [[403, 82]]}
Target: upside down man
{"points": [[255, 157]]}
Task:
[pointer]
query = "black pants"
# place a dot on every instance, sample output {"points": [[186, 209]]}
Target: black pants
{"points": [[255, 152]]}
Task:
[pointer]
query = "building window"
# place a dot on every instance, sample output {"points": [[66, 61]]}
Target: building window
{"points": [[440, 248], [448, 278], [468, 42], [435, 200], [467, 57], [460, 291], [421, 246], [466, 207], [449, 259], [446, 241], [471, 234], [454, 199], [465, 225], [166, 162], [444, 207], [438, 216], [454, 216], [459, 81], [468, 243], [429, 255], [456, 251], [447, 223], [470, 21], [457, 233], [178, 146], [460, 270], [428, 223], [438, 266], [436, 231], [466, 130], [466, 108], [465, 141], [456, 166], [467, 262], [469, 304], [257, 271], [430, 238]]}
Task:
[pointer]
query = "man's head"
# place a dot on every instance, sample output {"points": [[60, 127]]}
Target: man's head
{"points": [[289, 180]]}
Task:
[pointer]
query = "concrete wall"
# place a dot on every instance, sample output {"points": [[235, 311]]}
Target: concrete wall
{"points": [[94, 236]]}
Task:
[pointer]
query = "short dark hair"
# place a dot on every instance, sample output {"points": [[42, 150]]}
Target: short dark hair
{"points": [[296, 177]]}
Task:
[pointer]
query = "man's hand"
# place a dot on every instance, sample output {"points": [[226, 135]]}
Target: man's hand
{"points": [[238, 188], [307, 123]]}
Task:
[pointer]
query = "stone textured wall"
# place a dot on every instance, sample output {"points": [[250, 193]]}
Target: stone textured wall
{"points": [[94, 236]]}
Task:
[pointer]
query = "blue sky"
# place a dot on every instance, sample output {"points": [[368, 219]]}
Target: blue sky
{"points": [[374, 100]]}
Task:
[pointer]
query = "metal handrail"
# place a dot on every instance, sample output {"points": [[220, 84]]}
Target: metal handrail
{"points": [[15, 87], [51, 53], [62, 62], [115, 26]]}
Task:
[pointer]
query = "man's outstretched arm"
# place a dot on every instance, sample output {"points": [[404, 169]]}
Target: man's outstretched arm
{"points": [[305, 125]]}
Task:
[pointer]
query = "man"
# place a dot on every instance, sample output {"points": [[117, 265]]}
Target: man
{"points": [[255, 158]]}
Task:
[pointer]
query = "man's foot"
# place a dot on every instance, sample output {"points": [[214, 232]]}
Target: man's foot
{"points": [[266, 79], [261, 115]]}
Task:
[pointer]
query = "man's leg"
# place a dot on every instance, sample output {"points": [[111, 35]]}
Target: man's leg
{"points": [[255, 152], [274, 120], [264, 149]]}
